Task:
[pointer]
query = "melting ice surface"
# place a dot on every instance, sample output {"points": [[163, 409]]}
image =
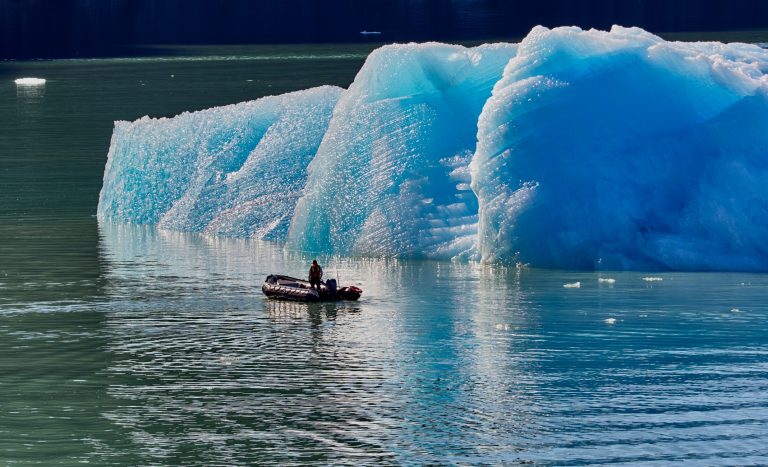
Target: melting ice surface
{"points": [[574, 149]]}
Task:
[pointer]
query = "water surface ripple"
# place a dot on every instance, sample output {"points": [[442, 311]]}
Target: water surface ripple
{"points": [[176, 358]]}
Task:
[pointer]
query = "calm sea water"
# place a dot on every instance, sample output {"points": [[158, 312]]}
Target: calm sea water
{"points": [[124, 345]]}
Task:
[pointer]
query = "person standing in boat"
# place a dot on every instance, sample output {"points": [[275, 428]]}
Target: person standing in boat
{"points": [[315, 274]]}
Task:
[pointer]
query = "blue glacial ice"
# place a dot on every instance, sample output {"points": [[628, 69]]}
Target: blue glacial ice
{"points": [[235, 171], [574, 149], [618, 150], [391, 176]]}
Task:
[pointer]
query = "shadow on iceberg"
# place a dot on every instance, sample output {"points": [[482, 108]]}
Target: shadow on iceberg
{"points": [[618, 150]]}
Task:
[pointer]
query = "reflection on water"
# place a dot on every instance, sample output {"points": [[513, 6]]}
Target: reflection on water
{"points": [[218, 374], [214, 372], [179, 359], [30, 92], [300, 313]]}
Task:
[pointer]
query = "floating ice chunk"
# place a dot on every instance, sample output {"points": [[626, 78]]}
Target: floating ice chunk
{"points": [[653, 279], [572, 285], [735, 310], [606, 280], [30, 81], [610, 321]]}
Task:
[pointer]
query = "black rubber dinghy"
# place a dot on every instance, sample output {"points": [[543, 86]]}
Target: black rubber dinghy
{"points": [[299, 290]]}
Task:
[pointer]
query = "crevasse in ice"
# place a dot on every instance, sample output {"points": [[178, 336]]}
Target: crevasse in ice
{"points": [[574, 149]]}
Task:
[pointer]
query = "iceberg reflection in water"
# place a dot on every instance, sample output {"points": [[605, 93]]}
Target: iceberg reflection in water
{"points": [[440, 363]]}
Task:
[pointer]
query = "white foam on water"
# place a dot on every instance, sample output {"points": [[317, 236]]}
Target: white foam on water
{"points": [[653, 279], [606, 280], [572, 285], [610, 321]]}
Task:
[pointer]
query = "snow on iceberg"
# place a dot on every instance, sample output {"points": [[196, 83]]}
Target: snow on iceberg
{"points": [[618, 150], [391, 176], [236, 170], [576, 149]]}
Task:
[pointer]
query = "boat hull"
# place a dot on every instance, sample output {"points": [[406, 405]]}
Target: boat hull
{"points": [[298, 290]]}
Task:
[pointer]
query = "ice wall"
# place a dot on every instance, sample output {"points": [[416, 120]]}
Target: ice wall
{"points": [[236, 170], [576, 149], [619, 150], [391, 176]]}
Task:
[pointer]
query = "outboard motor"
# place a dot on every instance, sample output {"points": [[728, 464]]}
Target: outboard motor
{"points": [[330, 284]]}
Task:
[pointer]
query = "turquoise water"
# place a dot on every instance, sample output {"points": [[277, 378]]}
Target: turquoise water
{"points": [[129, 346]]}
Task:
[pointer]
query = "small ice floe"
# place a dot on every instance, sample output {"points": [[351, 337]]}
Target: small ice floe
{"points": [[572, 285], [30, 82], [606, 280], [653, 279], [30, 88], [735, 310], [610, 321]]}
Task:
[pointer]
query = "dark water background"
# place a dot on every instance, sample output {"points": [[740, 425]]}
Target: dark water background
{"points": [[125, 345], [87, 28]]}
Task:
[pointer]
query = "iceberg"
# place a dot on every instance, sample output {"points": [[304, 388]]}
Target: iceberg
{"points": [[573, 149]]}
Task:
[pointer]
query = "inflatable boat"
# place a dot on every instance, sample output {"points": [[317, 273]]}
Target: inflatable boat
{"points": [[299, 290]]}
